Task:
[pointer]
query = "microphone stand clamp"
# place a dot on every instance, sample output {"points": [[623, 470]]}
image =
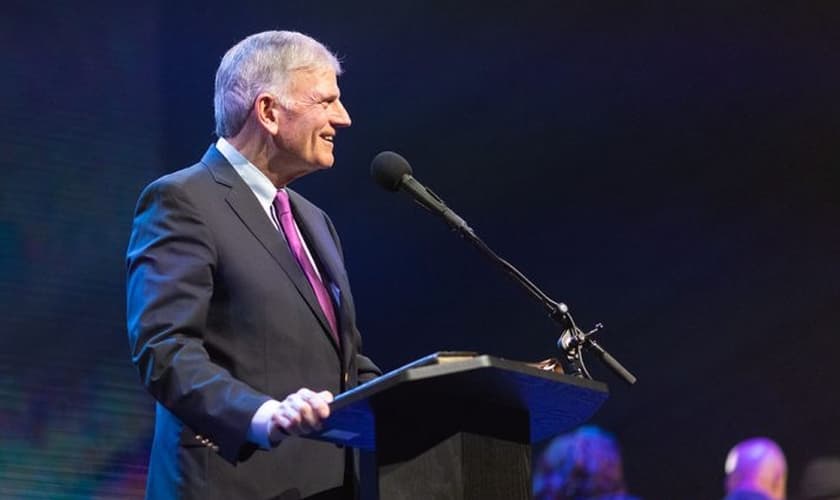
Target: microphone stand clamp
{"points": [[573, 342]]}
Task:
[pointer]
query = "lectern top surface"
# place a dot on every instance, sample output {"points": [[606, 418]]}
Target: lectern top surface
{"points": [[553, 403]]}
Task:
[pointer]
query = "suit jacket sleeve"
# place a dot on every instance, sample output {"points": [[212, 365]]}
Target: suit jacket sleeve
{"points": [[366, 369], [170, 264]]}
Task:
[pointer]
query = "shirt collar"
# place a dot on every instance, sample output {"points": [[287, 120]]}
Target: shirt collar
{"points": [[253, 177]]}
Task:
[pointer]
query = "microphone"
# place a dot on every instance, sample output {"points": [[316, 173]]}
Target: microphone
{"points": [[392, 172]]}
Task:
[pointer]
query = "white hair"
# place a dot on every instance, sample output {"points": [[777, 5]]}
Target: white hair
{"points": [[262, 62]]}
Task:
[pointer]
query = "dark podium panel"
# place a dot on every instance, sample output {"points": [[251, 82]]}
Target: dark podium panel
{"points": [[459, 425]]}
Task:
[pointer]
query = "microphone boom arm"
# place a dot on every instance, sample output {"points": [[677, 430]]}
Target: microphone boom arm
{"points": [[392, 172], [573, 341]]}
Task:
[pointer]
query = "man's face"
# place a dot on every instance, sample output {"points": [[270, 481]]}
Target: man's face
{"points": [[308, 126]]}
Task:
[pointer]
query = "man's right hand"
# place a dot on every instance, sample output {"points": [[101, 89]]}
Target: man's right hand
{"points": [[300, 413]]}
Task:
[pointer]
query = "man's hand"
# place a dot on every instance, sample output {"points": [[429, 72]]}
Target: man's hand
{"points": [[300, 413]]}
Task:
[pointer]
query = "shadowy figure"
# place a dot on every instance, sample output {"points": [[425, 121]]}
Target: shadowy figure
{"points": [[756, 469], [821, 480], [583, 465]]}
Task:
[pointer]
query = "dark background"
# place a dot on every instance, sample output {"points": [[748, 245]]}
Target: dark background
{"points": [[668, 170]]}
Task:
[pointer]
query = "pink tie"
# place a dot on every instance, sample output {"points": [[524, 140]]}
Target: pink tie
{"points": [[287, 223]]}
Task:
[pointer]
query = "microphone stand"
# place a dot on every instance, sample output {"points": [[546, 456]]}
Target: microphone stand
{"points": [[572, 342]]}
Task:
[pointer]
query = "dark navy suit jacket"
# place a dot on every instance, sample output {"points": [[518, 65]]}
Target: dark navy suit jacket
{"points": [[220, 319]]}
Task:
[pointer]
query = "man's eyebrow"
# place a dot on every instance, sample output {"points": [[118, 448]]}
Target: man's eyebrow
{"points": [[330, 96]]}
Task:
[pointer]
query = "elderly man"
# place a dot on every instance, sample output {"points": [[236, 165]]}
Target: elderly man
{"points": [[240, 316], [756, 470]]}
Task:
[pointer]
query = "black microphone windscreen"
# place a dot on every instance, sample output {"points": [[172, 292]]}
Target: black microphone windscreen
{"points": [[388, 169]]}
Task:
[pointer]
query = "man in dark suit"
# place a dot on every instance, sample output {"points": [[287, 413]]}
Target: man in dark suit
{"points": [[240, 316]]}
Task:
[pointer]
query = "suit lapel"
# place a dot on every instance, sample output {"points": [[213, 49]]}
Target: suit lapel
{"points": [[244, 203]]}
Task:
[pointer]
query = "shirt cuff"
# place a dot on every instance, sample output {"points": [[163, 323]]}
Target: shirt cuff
{"points": [[259, 431]]}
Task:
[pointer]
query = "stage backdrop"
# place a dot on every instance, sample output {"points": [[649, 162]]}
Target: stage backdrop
{"points": [[668, 170]]}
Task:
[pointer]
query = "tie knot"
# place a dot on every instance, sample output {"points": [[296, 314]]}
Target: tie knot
{"points": [[281, 203]]}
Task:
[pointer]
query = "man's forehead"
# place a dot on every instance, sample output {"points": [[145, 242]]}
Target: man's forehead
{"points": [[320, 74], [320, 80]]}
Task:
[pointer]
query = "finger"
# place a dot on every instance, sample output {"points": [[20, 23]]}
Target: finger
{"points": [[292, 421], [289, 416], [305, 418], [318, 401], [320, 406], [326, 396], [311, 420], [308, 394], [280, 426], [295, 408], [305, 393], [302, 407]]}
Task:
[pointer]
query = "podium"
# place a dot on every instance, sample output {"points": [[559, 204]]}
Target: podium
{"points": [[458, 426]]}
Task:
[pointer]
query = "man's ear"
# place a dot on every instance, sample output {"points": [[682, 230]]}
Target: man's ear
{"points": [[266, 112], [779, 485]]}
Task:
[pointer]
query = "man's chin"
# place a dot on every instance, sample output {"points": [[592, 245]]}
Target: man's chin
{"points": [[317, 162], [325, 163]]}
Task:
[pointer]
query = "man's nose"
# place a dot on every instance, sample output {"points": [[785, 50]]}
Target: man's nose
{"points": [[340, 118]]}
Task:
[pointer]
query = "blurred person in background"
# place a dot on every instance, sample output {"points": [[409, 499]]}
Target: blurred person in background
{"points": [[821, 480], [756, 469], [583, 465]]}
